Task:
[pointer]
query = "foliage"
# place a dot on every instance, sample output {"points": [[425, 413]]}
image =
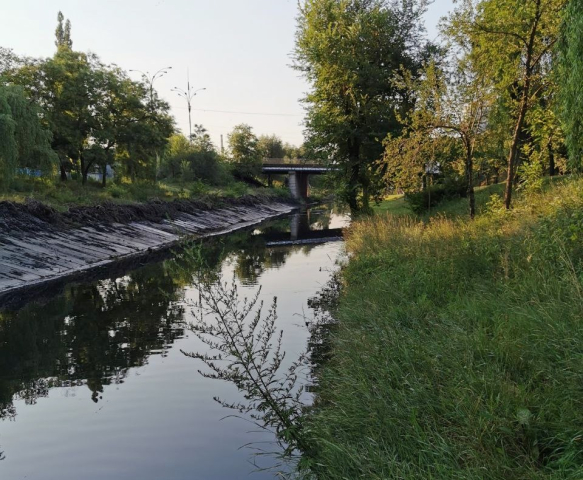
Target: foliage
{"points": [[512, 42], [430, 197], [195, 160], [245, 150], [571, 78], [96, 114], [351, 52], [456, 353], [25, 143], [457, 106], [271, 146]]}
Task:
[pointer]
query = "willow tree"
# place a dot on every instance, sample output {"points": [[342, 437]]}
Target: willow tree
{"points": [[571, 81], [351, 51], [24, 143]]}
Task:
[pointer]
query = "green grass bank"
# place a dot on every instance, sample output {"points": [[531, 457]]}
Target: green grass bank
{"points": [[459, 347], [62, 195]]}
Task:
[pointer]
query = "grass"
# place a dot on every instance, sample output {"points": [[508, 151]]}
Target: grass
{"points": [[62, 195], [397, 205], [459, 347]]}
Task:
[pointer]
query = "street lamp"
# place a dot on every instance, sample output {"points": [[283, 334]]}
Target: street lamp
{"points": [[188, 95], [150, 79]]}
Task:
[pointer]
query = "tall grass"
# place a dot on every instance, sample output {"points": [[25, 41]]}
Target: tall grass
{"points": [[459, 347]]}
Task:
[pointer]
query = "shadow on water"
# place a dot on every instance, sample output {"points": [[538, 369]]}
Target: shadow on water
{"points": [[91, 335]]}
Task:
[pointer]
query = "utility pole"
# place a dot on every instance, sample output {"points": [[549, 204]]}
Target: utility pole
{"points": [[188, 95]]}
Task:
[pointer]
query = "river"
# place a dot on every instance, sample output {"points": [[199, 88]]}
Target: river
{"points": [[93, 383]]}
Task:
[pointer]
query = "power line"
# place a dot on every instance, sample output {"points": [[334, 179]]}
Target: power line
{"points": [[250, 113]]}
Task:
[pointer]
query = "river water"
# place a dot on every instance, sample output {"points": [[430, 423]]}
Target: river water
{"points": [[93, 384]]}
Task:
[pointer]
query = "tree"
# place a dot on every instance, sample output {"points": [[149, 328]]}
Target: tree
{"points": [[8, 61], [514, 41], [571, 80], [63, 34], [458, 107], [271, 146], [351, 51], [245, 151], [24, 142], [95, 112]]}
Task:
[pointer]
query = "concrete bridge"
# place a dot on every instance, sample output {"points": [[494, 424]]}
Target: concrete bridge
{"points": [[298, 172]]}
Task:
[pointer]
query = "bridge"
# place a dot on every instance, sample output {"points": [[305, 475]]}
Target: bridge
{"points": [[298, 172]]}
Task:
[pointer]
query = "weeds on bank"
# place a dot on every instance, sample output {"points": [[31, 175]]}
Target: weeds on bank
{"points": [[61, 195], [458, 351], [244, 348]]}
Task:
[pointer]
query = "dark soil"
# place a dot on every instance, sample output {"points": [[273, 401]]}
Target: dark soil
{"points": [[32, 215]]}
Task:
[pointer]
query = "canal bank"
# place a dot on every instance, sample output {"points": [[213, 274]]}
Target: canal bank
{"points": [[40, 246]]}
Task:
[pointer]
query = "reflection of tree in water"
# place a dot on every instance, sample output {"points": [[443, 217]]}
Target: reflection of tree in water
{"points": [[91, 335]]}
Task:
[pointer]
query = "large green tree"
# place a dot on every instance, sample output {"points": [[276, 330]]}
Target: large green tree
{"points": [[454, 106], [95, 112], [24, 143], [246, 152], [351, 52], [271, 146]]}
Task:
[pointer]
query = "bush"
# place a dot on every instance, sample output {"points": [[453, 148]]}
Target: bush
{"points": [[421, 202]]}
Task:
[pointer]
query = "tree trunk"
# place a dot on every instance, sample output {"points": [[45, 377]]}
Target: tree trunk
{"points": [[84, 170], [365, 197], [63, 173], [104, 176], [354, 159], [470, 182], [514, 147], [552, 169]]}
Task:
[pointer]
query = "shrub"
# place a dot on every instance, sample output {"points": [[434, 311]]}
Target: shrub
{"points": [[421, 202]]}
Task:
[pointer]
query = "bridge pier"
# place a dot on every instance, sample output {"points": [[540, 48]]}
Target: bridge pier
{"points": [[298, 185]]}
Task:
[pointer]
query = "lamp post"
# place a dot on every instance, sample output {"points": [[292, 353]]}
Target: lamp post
{"points": [[188, 95], [150, 79]]}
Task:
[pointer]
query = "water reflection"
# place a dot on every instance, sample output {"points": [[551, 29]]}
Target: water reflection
{"points": [[92, 335]]}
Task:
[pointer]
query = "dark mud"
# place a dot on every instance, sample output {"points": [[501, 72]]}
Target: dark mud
{"points": [[33, 215]]}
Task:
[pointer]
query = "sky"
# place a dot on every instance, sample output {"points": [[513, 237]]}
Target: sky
{"points": [[238, 50]]}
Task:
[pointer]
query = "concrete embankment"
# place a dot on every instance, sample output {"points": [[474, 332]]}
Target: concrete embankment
{"points": [[40, 245]]}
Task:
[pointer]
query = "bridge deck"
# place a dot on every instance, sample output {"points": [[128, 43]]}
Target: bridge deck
{"points": [[294, 167]]}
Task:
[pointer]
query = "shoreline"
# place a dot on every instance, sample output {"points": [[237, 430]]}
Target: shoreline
{"points": [[36, 259]]}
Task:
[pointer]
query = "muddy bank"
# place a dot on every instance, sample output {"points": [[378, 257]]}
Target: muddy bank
{"points": [[31, 215], [39, 245]]}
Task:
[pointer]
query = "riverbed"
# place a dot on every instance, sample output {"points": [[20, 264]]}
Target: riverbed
{"points": [[93, 383]]}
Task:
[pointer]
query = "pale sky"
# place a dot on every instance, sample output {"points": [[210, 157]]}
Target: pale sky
{"points": [[239, 50]]}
